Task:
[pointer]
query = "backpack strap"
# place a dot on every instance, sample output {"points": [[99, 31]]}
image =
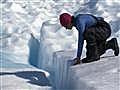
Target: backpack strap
{"points": [[95, 17]]}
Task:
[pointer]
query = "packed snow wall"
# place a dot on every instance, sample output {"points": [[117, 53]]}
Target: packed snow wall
{"points": [[53, 39], [41, 18]]}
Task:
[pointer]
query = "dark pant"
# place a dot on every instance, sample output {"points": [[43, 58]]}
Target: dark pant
{"points": [[96, 37]]}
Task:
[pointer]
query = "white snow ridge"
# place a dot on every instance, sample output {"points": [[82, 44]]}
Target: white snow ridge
{"points": [[36, 52]]}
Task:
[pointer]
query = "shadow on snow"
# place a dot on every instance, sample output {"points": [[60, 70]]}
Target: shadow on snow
{"points": [[33, 77]]}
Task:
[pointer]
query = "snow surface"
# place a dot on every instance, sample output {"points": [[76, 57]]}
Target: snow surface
{"points": [[100, 75], [31, 35]]}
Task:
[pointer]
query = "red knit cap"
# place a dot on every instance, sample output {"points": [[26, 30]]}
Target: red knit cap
{"points": [[65, 19]]}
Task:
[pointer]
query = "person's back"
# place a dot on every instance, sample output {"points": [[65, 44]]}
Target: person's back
{"points": [[82, 22]]}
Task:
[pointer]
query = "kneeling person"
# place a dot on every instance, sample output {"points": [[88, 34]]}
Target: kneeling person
{"points": [[95, 31]]}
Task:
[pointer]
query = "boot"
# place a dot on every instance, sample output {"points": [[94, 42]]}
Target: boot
{"points": [[88, 60], [92, 54], [112, 44]]}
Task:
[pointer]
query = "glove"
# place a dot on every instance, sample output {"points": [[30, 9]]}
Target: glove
{"points": [[77, 61]]}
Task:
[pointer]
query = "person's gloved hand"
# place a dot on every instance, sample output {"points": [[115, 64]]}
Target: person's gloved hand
{"points": [[77, 61]]}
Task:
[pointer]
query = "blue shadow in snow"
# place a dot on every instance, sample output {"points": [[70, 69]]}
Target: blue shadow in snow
{"points": [[92, 4], [34, 45], [33, 77], [90, 7], [6, 61]]}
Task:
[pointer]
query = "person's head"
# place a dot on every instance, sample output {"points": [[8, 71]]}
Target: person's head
{"points": [[66, 20]]}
